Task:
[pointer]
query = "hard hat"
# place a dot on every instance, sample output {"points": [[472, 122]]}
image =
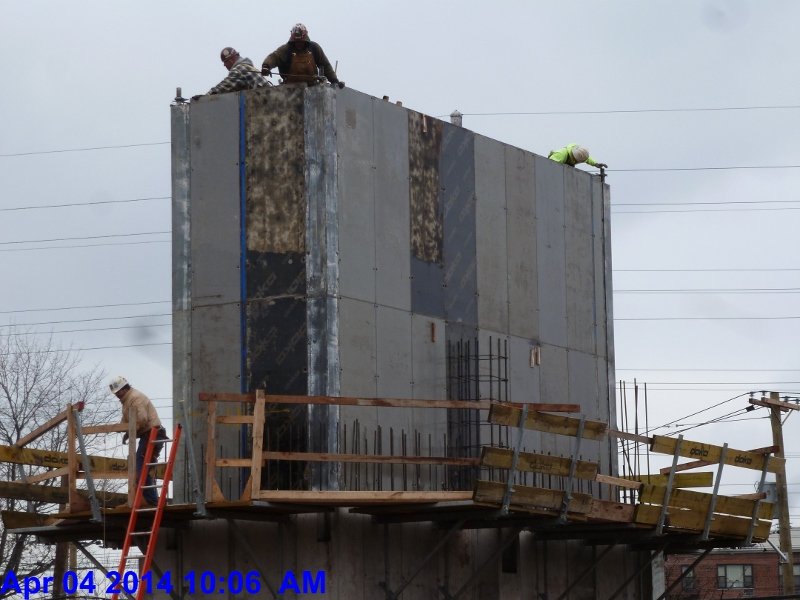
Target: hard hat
{"points": [[117, 384], [227, 53], [580, 154], [299, 33]]}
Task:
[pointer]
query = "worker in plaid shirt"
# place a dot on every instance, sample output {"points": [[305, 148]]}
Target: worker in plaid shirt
{"points": [[242, 75]]}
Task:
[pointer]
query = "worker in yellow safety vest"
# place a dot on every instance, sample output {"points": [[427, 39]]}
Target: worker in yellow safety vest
{"points": [[572, 154]]}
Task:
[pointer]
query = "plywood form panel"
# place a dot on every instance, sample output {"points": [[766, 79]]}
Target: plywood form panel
{"points": [[276, 163], [357, 195], [215, 201], [392, 207], [457, 178], [523, 294], [491, 234], [551, 254]]}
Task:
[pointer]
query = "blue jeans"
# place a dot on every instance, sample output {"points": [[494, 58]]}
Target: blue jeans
{"points": [[149, 494]]}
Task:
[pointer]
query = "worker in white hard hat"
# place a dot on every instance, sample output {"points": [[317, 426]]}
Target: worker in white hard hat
{"points": [[572, 154], [146, 419]]}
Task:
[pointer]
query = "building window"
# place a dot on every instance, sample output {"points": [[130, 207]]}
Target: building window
{"points": [[688, 579], [734, 576], [796, 576]]}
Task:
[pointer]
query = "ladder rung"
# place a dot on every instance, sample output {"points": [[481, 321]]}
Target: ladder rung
{"points": [[150, 487], [156, 464], [141, 532], [164, 441], [148, 509]]}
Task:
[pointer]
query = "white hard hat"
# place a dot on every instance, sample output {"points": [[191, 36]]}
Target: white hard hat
{"points": [[580, 154], [117, 384]]}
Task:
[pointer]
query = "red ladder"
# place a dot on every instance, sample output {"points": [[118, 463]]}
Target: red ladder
{"points": [[157, 511]]}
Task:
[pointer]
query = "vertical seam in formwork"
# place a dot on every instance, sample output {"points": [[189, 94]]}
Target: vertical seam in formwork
{"points": [[242, 270]]}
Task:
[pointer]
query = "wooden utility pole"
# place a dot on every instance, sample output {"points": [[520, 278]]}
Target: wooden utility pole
{"points": [[777, 408]]}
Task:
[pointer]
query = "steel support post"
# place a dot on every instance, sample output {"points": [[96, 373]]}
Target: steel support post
{"points": [[586, 572]]}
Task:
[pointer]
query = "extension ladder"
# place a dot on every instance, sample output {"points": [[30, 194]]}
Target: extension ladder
{"points": [[157, 511]]}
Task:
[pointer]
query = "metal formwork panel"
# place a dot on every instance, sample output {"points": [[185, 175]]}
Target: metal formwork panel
{"points": [[581, 301], [601, 280], [524, 377], [523, 289], [553, 385], [357, 348], [356, 179], [427, 288], [578, 200], [583, 382], [394, 352], [491, 234], [215, 205], [550, 251], [392, 207], [457, 178]]}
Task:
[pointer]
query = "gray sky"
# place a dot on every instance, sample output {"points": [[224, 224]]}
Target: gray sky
{"points": [[91, 74]]}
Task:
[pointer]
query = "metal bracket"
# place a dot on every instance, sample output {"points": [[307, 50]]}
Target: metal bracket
{"points": [[200, 500], [713, 504], [96, 516], [667, 492], [757, 504], [523, 416], [562, 518]]}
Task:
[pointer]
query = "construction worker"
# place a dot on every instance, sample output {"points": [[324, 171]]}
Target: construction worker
{"points": [[299, 60], [146, 419], [572, 154], [242, 74]]}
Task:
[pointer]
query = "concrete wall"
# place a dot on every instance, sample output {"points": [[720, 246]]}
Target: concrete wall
{"points": [[327, 242]]}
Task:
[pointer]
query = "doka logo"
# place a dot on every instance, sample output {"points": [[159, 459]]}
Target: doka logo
{"points": [[743, 460], [698, 452]]}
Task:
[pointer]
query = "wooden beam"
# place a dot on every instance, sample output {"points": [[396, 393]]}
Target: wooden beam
{"points": [[505, 414], [233, 462], [537, 463], [492, 492], [680, 480], [624, 435], [235, 419], [381, 402], [112, 428], [700, 501], [50, 494], [773, 403], [618, 481], [607, 510], [21, 520], [358, 498], [704, 463], [54, 459], [712, 454], [368, 458], [259, 416], [51, 474], [689, 520], [42, 429]]}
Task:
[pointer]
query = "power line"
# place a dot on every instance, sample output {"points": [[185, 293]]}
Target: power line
{"points": [[87, 320], [61, 150], [25, 310], [43, 206], [98, 348], [709, 291], [94, 329], [613, 204], [726, 168], [714, 370], [107, 244], [700, 411], [702, 210], [90, 237], [705, 318], [697, 270]]}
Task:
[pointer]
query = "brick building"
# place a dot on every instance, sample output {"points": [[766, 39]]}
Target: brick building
{"points": [[732, 573]]}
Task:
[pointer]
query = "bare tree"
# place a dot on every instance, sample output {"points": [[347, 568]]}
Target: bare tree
{"points": [[37, 381]]}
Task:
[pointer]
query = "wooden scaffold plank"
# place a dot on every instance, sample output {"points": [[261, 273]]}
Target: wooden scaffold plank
{"points": [[711, 454], [504, 414]]}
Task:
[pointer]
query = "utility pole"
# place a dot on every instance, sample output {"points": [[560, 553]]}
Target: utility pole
{"points": [[777, 408]]}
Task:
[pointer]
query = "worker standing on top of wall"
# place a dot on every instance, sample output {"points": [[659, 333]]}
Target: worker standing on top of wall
{"points": [[146, 419], [242, 74], [572, 154], [299, 59]]}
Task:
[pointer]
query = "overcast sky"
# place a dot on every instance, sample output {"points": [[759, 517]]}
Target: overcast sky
{"points": [[692, 103]]}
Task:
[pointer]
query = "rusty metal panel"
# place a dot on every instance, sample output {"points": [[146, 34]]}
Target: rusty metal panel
{"points": [[392, 208], [523, 293], [275, 174], [424, 150], [357, 195], [457, 178], [550, 251], [492, 235]]}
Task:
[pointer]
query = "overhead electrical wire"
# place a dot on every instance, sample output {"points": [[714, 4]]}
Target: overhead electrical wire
{"points": [[86, 149], [25, 310], [86, 320], [106, 245], [94, 203], [88, 237]]}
